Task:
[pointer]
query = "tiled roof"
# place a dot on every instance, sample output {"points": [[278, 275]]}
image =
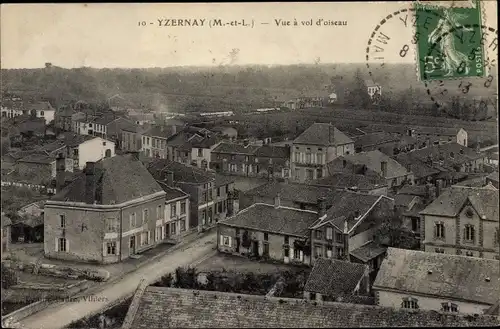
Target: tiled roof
{"points": [[51, 147], [160, 307], [182, 172], [104, 120], [269, 151], [403, 199], [349, 206], [161, 131], [368, 251], [322, 134], [331, 277], [372, 160], [35, 177], [450, 154], [443, 275], [38, 158], [221, 180], [418, 190], [72, 139], [373, 139], [348, 180], [233, 148], [172, 192], [115, 180], [417, 166], [268, 218], [452, 200], [293, 192]]}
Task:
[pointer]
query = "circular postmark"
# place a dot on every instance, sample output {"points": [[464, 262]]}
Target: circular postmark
{"points": [[465, 83]]}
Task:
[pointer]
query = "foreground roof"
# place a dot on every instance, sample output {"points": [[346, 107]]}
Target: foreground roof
{"points": [[342, 180], [443, 275], [182, 173], [182, 308], [114, 180], [451, 201], [300, 193], [333, 277], [372, 160], [322, 134], [268, 218]]}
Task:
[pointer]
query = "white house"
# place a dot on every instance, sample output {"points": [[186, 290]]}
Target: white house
{"points": [[332, 98], [83, 149], [440, 282], [38, 109], [373, 88]]}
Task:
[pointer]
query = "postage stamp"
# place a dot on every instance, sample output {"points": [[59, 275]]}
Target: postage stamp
{"points": [[452, 46]]}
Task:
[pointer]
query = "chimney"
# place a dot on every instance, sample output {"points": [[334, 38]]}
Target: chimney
{"points": [[346, 241], [383, 168], [277, 201], [90, 183], [60, 172], [169, 178], [321, 206]]}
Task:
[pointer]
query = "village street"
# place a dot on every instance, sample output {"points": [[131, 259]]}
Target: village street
{"points": [[63, 313]]}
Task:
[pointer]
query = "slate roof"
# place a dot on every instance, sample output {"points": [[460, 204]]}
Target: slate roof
{"points": [[348, 180], [373, 139], [182, 172], [450, 154], [115, 180], [332, 277], [221, 180], [268, 218], [368, 251], [104, 120], [443, 275], [403, 199], [172, 192], [324, 134], [345, 205], [54, 146], [233, 148], [372, 160], [38, 158], [417, 190], [73, 140], [293, 192], [160, 307], [160, 131], [452, 200], [270, 151], [417, 166]]}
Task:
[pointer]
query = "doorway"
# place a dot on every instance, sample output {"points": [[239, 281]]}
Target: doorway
{"points": [[255, 248], [237, 241], [132, 245]]}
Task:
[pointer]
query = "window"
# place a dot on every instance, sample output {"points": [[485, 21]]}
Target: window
{"points": [[469, 233], [112, 224], [144, 238], [340, 252], [226, 241], [62, 244], [218, 191], [111, 248], [133, 220], [42, 113], [310, 174], [319, 234], [158, 233], [173, 210], [62, 221], [329, 233], [183, 207], [339, 237], [210, 195], [449, 307], [319, 157], [410, 303], [439, 230], [287, 240], [439, 250], [496, 239], [297, 156], [182, 224], [319, 173], [329, 252], [318, 252], [469, 254], [308, 157], [173, 229], [200, 152], [415, 224], [246, 159], [159, 212], [204, 196], [266, 237]]}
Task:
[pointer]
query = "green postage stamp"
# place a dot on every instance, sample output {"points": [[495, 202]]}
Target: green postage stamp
{"points": [[451, 45]]}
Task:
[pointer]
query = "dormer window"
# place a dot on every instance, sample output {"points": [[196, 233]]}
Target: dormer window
{"points": [[469, 213], [410, 303], [449, 307]]}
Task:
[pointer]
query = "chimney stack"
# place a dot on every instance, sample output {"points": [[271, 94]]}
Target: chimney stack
{"points": [[90, 183], [321, 206], [169, 178], [60, 173], [277, 201], [383, 168]]}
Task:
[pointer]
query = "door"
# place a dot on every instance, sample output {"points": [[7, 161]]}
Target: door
{"points": [[255, 248], [167, 230], [132, 245], [237, 241]]}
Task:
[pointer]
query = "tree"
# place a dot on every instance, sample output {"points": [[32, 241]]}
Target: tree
{"points": [[394, 234], [358, 95]]}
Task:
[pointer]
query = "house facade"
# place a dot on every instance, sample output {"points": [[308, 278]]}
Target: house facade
{"points": [[472, 284], [438, 136], [132, 139], [462, 221], [175, 224], [211, 197], [105, 222], [373, 88], [38, 109], [83, 149], [314, 148]]}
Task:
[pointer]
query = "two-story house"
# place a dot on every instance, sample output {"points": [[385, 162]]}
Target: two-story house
{"points": [[41, 109], [234, 159], [375, 161], [154, 141], [85, 148], [373, 89], [346, 230], [132, 138], [444, 283], [314, 148], [193, 146], [109, 212], [175, 224], [462, 221], [211, 198]]}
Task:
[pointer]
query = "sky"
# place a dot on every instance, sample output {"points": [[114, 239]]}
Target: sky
{"points": [[110, 35]]}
